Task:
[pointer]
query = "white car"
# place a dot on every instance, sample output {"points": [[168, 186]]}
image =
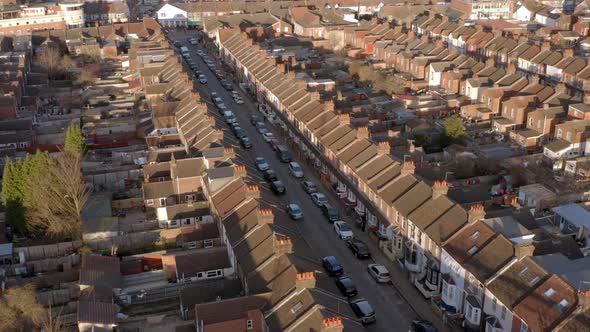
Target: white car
{"points": [[239, 100], [202, 79], [319, 199], [267, 137], [234, 93], [229, 117], [295, 169], [261, 164], [379, 273], [193, 41], [342, 229]]}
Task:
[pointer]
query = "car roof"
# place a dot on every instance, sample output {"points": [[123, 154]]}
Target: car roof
{"points": [[278, 183], [331, 259], [294, 206], [380, 267]]}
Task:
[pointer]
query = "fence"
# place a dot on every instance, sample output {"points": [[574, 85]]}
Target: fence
{"points": [[131, 240], [128, 203], [58, 296], [48, 251]]}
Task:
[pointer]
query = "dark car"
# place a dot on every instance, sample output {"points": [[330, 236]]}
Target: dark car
{"points": [[309, 187], [363, 310], [270, 175], [284, 154], [278, 187], [226, 85], [422, 326], [245, 142], [330, 212], [332, 266], [254, 119], [240, 132], [359, 249], [346, 286]]}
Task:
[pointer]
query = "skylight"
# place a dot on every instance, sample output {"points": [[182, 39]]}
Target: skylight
{"points": [[549, 293], [473, 250]]}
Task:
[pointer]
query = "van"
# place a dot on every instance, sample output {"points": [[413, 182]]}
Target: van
{"points": [[284, 154], [184, 50], [267, 112]]}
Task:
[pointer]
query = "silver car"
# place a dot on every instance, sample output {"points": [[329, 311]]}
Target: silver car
{"points": [[319, 199], [295, 169], [379, 273], [294, 211], [261, 164]]}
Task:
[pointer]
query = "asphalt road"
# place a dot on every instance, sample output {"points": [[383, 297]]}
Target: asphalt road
{"points": [[313, 237]]}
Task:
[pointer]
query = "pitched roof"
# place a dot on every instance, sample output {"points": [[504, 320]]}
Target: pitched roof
{"points": [[99, 313], [490, 258], [230, 309], [549, 304], [468, 241], [447, 224], [517, 282]]}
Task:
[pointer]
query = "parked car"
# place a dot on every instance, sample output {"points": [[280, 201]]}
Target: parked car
{"points": [[363, 310], [344, 232], [261, 164], [332, 266], [284, 154], [229, 117], [193, 41], [294, 211], [239, 100], [267, 136], [359, 248], [226, 85], [219, 75], [309, 187], [330, 212], [278, 187], [270, 175], [422, 326], [346, 286], [319, 199], [261, 127], [214, 95], [202, 79], [234, 93], [379, 273], [240, 132], [254, 120], [245, 142], [295, 169], [274, 144]]}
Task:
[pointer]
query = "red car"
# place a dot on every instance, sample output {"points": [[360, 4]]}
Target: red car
{"points": [[274, 143]]}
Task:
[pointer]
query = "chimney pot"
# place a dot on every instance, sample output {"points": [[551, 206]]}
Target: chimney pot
{"points": [[252, 191], [476, 213], [408, 168], [305, 280], [219, 134], [332, 324], [329, 105], [239, 170], [344, 119], [266, 216], [383, 148], [284, 246], [440, 188], [362, 132]]}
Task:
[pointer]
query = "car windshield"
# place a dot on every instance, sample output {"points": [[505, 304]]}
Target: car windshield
{"points": [[347, 282], [260, 161], [362, 248], [365, 308], [296, 168], [295, 209], [343, 227]]}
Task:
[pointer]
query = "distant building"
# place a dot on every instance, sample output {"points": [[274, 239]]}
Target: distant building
{"points": [[484, 9], [23, 19]]}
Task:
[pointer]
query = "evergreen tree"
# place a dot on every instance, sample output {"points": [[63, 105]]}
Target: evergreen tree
{"points": [[74, 143], [13, 187]]}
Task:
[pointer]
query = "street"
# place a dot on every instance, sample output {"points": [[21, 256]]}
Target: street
{"points": [[313, 236]]}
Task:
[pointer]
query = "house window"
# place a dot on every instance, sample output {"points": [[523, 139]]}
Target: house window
{"points": [[200, 275], [524, 327], [523, 271], [559, 133], [472, 250], [249, 324], [539, 124], [161, 179], [475, 235], [568, 136], [208, 243], [531, 121], [150, 202], [296, 307], [494, 304], [503, 312], [562, 304], [162, 202], [191, 245], [533, 281], [213, 274], [549, 293], [191, 197]]}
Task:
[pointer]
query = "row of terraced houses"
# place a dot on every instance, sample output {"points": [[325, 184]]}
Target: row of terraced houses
{"points": [[475, 268]]}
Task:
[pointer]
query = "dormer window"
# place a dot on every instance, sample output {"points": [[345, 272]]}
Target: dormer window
{"points": [[533, 281], [563, 304], [523, 271], [475, 235], [472, 250], [549, 293]]}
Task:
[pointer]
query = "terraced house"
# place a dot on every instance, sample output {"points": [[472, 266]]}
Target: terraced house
{"points": [[448, 251]]}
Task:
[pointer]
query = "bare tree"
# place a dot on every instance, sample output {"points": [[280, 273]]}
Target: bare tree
{"points": [[59, 194], [19, 309], [52, 322], [55, 62]]}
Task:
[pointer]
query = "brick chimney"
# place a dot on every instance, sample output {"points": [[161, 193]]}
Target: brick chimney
{"points": [[305, 280], [568, 52], [272, 61], [281, 68], [195, 95], [383, 148], [425, 39], [315, 95], [253, 191], [344, 119], [219, 134], [204, 105], [439, 43], [476, 213], [291, 74], [439, 188], [546, 46], [560, 88], [332, 324], [587, 99], [329, 105], [265, 216], [408, 168], [283, 246], [534, 79], [239, 170], [490, 62], [229, 153], [522, 250], [362, 132], [211, 120], [511, 68]]}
